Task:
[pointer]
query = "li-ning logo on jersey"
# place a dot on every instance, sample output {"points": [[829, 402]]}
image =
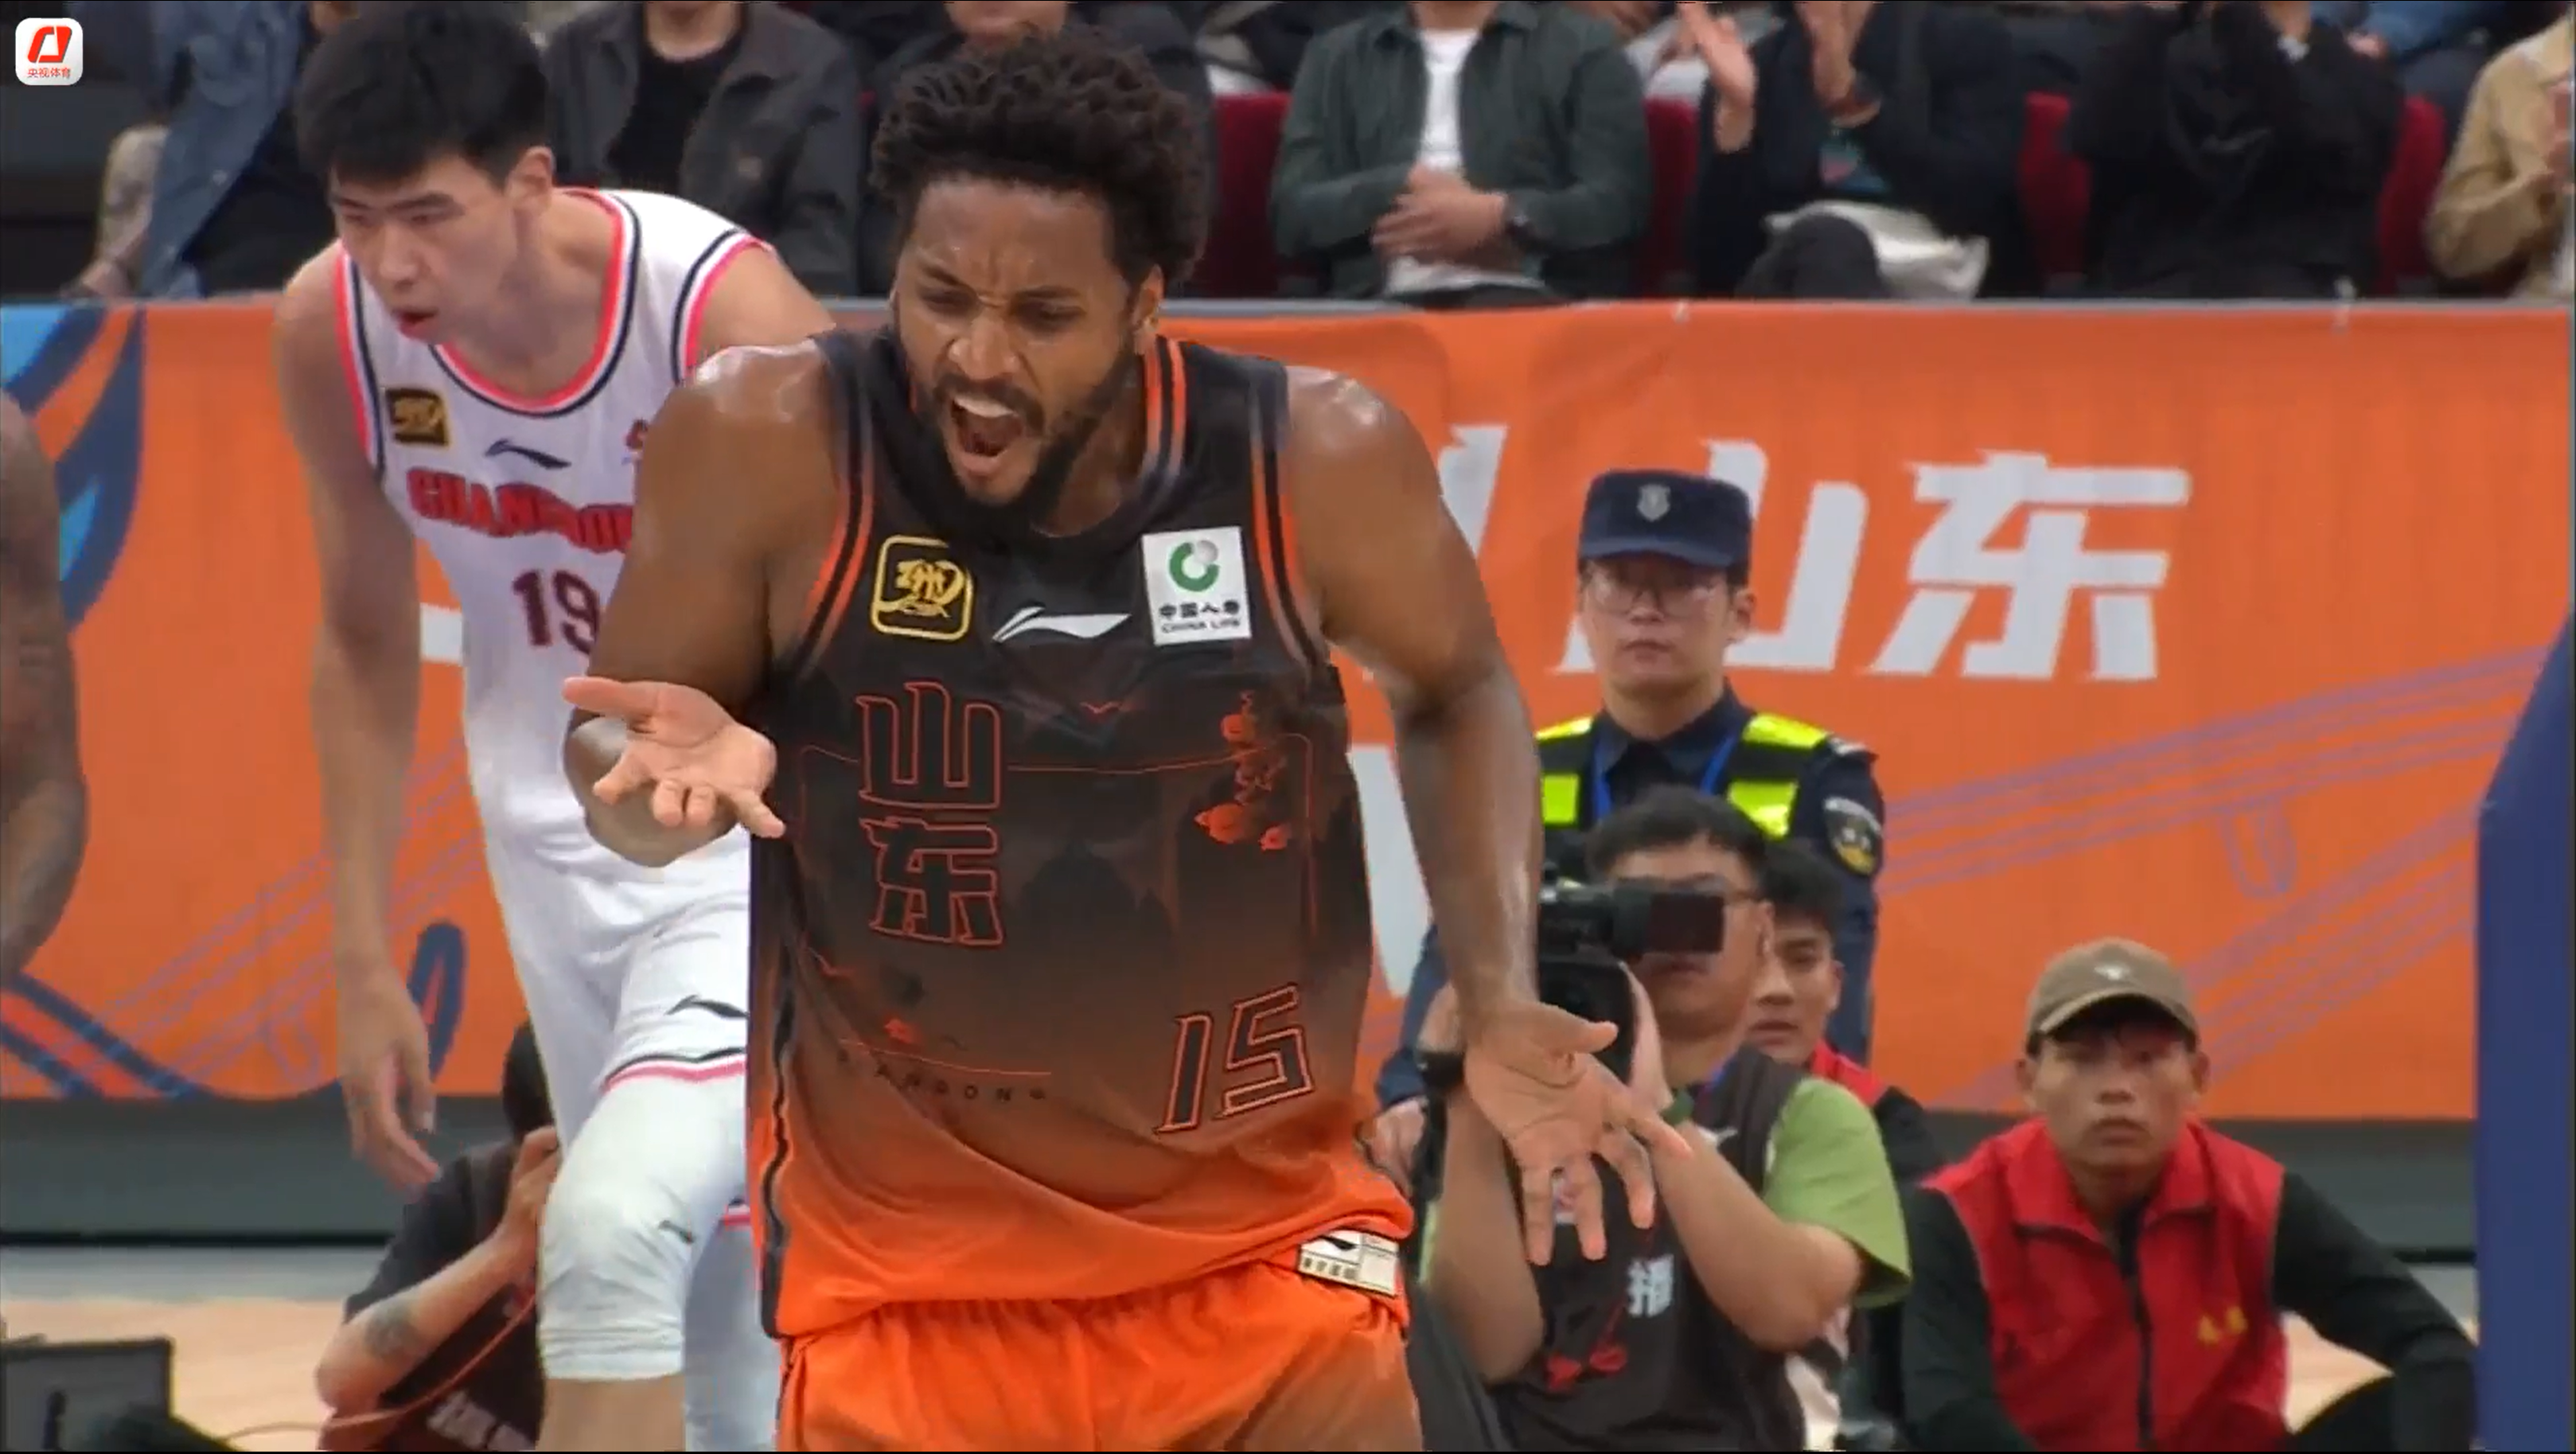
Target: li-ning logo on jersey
{"points": [[1194, 583], [537, 457], [1038, 621], [920, 591], [418, 417]]}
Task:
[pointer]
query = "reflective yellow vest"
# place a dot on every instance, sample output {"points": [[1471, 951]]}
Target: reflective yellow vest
{"points": [[1763, 774]]}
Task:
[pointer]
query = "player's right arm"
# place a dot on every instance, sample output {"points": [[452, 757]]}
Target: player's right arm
{"points": [[365, 702], [729, 464]]}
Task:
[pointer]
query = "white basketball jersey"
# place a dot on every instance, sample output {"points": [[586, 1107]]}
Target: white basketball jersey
{"points": [[527, 503]]}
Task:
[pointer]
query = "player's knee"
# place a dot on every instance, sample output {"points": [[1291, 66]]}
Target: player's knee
{"points": [[641, 1190], [613, 1270]]}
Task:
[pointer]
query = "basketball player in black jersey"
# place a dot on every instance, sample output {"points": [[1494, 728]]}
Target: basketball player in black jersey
{"points": [[1008, 630]]}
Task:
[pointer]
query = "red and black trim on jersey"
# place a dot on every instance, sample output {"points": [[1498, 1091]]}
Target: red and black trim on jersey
{"points": [[358, 360], [616, 327], [697, 286]]}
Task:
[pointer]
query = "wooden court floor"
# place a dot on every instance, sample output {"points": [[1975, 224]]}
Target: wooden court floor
{"points": [[245, 1365]]}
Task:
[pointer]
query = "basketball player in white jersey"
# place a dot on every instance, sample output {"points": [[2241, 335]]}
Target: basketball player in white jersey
{"points": [[473, 366]]}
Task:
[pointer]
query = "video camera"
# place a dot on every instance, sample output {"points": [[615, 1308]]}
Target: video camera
{"points": [[1588, 934]]}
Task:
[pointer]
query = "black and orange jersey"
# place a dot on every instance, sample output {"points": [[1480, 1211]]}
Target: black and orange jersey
{"points": [[1060, 968]]}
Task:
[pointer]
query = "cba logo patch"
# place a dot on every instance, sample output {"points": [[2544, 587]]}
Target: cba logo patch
{"points": [[417, 417], [921, 592]]}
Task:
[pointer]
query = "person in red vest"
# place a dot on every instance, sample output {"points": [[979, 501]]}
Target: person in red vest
{"points": [[2112, 1273]]}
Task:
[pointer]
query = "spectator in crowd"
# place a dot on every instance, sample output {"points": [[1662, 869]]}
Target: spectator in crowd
{"points": [[2435, 47], [1466, 154], [439, 1350], [2501, 212], [233, 210], [1774, 1214], [124, 211], [741, 106], [1149, 27], [2112, 1273], [879, 28], [1662, 564], [2053, 40], [2237, 150], [1863, 151], [1800, 987], [1257, 46]]}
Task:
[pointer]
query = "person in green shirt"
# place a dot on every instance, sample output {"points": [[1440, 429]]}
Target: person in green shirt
{"points": [[1776, 1210]]}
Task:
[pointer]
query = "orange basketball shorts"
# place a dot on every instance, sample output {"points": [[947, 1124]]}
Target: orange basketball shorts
{"points": [[1256, 1357]]}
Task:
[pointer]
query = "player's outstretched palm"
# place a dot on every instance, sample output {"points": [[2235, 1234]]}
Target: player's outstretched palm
{"points": [[703, 768], [1533, 1071]]}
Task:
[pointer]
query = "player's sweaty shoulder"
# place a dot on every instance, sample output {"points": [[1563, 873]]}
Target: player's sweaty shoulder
{"points": [[755, 425], [1347, 449], [304, 325], [17, 435]]}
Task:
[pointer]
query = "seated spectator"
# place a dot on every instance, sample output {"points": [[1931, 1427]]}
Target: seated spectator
{"points": [[2501, 213], [879, 28], [1771, 1220], [1150, 28], [439, 1350], [1800, 987], [1255, 47], [2054, 40], [1466, 154], [233, 210], [741, 106], [2112, 1273], [2237, 150], [2435, 47], [1864, 151], [124, 212]]}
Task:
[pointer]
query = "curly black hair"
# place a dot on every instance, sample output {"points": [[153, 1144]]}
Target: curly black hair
{"points": [[1076, 111]]}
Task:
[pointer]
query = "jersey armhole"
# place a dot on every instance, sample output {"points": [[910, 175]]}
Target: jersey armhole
{"points": [[357, 360], [854, 476], [1274, 531], [697, 287]]}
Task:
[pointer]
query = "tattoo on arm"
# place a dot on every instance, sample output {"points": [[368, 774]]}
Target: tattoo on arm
{"points": [[391, 1335]]}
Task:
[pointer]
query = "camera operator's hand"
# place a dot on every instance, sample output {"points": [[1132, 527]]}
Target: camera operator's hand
{"points": [[1533, 1071], [1394, 1138]]}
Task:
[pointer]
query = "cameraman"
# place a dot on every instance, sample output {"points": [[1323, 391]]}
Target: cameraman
{"points": [[1777, 1215], [440, 1347], [1662, 593]]}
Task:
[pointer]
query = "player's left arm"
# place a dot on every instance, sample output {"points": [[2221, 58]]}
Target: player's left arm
{"points": [[1392, 582], [44, 803], [1840, 810], [757, 303]]}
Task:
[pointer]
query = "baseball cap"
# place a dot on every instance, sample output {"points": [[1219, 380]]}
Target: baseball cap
{"points": [[2101, 972], [1692, 518]]}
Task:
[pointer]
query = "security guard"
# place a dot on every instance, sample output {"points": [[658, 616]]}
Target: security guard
{"points": [[1665, 559]]}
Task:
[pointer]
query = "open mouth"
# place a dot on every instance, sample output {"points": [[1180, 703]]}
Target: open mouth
{"points": [[982, 431], [412, 321]]}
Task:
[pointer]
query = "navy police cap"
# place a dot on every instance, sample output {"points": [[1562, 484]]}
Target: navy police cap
{"points": [[1691, 518]]}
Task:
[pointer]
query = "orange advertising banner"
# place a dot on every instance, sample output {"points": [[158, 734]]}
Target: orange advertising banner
{"points": [[2202, 627]]}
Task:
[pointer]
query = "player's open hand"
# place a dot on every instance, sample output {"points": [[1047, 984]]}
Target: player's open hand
{"points": [[1534, 1071], [704, 769]]}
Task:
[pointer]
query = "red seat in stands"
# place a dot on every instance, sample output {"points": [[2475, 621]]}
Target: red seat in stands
{"points": [[1240, 261], [2055, 188], [2414, 172], [1672, 140]]}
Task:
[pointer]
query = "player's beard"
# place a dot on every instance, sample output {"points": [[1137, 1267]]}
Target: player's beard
{"points": [[1027, 511]]}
